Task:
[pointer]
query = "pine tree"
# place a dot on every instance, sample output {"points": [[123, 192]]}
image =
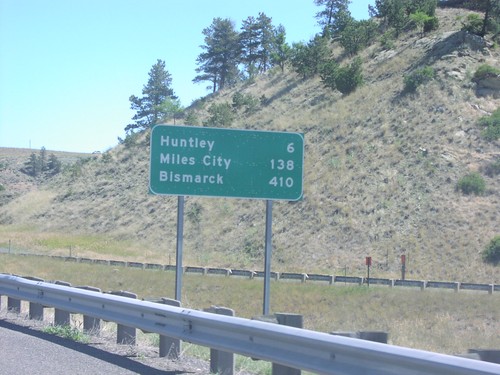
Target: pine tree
{"points": [[267, 39], [281, 50], [219, 63], [54, 164], [250, 44], [42, 159], [32, 166], [149, 107], [335, 15]]}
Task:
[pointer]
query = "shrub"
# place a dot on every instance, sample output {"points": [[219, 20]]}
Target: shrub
{"points": [[387, 40], [348, 78], [248, 101], [221, 115], [2, 188], [473, 24], [493, 168], [417, 78], [328, 74], [473, 183], [485, 71], [491, 125], [431, 24], [419, 20], [191, 118], [491, 254]]}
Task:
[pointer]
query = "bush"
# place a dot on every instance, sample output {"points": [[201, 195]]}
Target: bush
{"points": [[328, 74], [473, 183], [493, 168], [491, 125], [387, 40], [248, 101], [418, 78], [2, 188], [221, 115], [431, 24], [348, 78], [491, 254], [473, 24], [485, 71]]}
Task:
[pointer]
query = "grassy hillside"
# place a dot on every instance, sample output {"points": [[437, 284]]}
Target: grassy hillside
{"points": [[381, 169]]}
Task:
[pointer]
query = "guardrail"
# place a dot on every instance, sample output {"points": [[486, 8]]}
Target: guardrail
{"points": [[288, 276], [292, 347]]}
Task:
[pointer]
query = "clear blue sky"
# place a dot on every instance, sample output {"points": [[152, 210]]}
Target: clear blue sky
{"points": [[68, 67]]}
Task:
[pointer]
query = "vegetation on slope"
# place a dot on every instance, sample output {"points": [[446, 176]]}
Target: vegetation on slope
{"points": [[381, 170]]}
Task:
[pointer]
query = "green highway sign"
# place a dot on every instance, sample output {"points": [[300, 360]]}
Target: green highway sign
{"points": [[189, 160]]}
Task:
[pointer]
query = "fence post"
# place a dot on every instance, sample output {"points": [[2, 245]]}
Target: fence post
{"points": [[170, 347], [91, 324], [221, 362], [61, 317], [291, 320], [125, 335]]}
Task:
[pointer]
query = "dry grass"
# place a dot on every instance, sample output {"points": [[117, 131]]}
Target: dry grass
{"points": [[369, 186], [440, 321]]}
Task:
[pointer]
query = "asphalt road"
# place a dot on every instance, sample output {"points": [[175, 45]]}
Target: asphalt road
{"points": [[27, 351]]}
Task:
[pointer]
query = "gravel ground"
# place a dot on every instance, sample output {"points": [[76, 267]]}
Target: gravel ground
{"points": [[143, 352]]}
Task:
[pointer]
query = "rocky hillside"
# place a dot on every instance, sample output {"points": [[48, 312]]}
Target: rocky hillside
{"points": [[381, 170]]}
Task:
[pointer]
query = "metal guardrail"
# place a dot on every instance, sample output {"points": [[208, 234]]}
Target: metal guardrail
{"points": [[302, 277], [293, 347]]}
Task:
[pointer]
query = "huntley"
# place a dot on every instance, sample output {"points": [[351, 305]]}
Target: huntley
{"points": [[186, 142]]}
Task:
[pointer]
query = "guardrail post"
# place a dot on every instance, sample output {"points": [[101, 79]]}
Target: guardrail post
{"points": [[91, 324], [61, 317], [221, 362], [170, 347], [35, 309], [125, 335], [13, 304], [291, 320], [492, 356]]}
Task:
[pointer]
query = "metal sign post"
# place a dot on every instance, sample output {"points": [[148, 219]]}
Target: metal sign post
{"points": [[180, 242], [268, 256]]}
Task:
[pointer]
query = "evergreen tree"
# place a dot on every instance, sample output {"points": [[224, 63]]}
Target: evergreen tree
{"points": [[42, 160], [171, 109], [335, 15], [149, 107], [54, 164], [358, 35], [257, 40], [396, 13], [250, 45], [491, 21], [32, 166], [307, 59], [219, 63], [281, 50], [267, 38]]}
